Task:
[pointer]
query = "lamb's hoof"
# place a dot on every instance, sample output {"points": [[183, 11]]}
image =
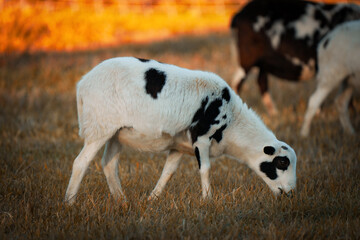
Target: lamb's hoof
{"points": [[206, 198], [69, 201], [304, 132], [152, 197]]}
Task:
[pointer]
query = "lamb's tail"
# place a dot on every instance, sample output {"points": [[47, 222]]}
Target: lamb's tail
{"points": [[93, 119], [79, 102]]}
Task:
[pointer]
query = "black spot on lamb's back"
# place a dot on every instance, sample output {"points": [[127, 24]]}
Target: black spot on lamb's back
{"points": [[197, 154], [143, 60], [155, 81], [226, 94], [326, 42], [204, 118], [218, 133]]}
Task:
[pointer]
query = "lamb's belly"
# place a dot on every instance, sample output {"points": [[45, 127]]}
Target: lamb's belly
{"points": [[152, 143], [143, 142]]}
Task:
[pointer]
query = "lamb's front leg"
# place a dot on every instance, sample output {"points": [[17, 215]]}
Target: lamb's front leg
{"points": [[342, 104], [202, 155], [171, 164], [316, 99]]}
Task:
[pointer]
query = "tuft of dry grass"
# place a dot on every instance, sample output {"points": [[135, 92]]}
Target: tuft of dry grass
{"points": [[38, 143]]}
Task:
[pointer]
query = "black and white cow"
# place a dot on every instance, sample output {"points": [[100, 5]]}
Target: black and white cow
{"points": [[280, 38], [156, 107]]}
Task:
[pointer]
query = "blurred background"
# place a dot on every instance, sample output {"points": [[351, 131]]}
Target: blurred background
{"points": [[28, 26]]}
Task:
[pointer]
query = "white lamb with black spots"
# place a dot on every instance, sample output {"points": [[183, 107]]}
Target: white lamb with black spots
{"points": [[339, 63], [157, 107]]}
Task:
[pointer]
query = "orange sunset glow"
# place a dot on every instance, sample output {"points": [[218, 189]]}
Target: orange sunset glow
{"points": [[65, 25]]}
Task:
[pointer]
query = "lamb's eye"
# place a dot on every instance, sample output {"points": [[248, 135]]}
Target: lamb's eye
{"points": [[281, 163]]}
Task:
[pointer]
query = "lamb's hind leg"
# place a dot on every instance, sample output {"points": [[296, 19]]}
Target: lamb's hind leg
{"points": [[171, 164], [342, 104], [314, 103], [109, 163], [80, 165]]}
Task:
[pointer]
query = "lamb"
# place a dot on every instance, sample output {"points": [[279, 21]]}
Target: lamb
{"points": [[338, 63], [156, 107]]}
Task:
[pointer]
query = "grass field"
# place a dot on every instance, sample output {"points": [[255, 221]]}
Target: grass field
{"points": [[39, 141]]}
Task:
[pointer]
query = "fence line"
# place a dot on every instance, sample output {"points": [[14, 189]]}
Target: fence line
{"points": [[130, 5], [140, 6]]}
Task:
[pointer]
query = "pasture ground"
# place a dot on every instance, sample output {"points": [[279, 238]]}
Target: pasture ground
{"points": [[39, 141]]}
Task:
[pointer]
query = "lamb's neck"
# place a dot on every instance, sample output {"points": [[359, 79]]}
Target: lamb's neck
{"points": [[248, 135]]}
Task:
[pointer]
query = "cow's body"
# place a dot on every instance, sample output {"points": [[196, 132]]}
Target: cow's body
{"points": [[157, 107], [280, 38]]}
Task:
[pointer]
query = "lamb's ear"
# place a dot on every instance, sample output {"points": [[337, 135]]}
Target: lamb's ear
{"points": [[269, 150]]}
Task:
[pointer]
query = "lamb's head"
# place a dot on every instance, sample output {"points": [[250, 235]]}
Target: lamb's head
{"points": [[277, 167]]}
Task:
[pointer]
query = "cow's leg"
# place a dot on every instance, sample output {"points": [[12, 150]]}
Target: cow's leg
{"points": [[265, 95], [171, 164], [342, 104], [80, 165], [238, 80], [202, 155], [109, 163], [315, 101]]}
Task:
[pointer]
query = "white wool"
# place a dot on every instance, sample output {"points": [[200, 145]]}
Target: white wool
{"points": [[113, 96]]}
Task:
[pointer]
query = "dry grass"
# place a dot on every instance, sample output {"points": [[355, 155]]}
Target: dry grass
{"points": [[38, 143]]}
